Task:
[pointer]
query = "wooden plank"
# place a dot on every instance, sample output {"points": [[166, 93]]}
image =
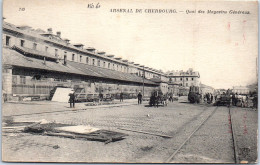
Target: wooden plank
{"points": [[164, 136]]}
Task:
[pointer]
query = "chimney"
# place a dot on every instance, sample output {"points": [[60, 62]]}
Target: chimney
{"points": [[67, 41], [49, 30], [58, 34]]}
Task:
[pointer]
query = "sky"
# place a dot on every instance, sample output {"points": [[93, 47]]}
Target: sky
{"points": [[222, 47]]}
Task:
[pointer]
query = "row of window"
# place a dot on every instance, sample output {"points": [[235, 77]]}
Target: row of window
{"points": [[80, 58], [187, 84], [93, 62], [187, 79]]}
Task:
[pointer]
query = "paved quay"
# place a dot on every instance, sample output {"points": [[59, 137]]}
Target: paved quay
{"points": [[177, 120]]}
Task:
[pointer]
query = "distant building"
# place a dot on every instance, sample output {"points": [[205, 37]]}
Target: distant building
{"points": [[184, 78], [163, 85], [220, 91], [241, 89], [206, 89]]}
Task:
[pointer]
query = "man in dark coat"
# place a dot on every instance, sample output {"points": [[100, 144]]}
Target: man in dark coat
{"points": [[121, 97], [72, 100], [101, 96], [233, 99], [139, 96]]}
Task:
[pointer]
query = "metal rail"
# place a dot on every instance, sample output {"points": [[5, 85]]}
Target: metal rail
{"points": [[233, 137], [188, 138]]}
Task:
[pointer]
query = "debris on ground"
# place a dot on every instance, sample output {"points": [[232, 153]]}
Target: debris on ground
{"points": [[56, 147], [81, 129], [100, 135], [44, 127], [147, 148], [41, 128]]}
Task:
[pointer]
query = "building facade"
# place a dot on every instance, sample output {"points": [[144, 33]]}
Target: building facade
{"points": [[241, 90], [35, 61], [180, 81], [207, 89], [184, 78]]}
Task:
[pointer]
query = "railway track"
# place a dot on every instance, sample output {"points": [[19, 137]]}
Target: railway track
{"points": [[234, 141], [168, 160]]}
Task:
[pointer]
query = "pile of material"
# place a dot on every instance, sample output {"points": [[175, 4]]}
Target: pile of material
{"points": [[74, 132]]}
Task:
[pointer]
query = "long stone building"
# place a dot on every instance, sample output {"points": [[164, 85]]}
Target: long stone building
{"points": [[35, 61]]}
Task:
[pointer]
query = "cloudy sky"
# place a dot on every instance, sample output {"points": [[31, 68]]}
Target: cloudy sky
{"points": [[222, 47]]}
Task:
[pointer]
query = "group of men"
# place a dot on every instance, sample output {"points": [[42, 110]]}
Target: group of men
{"points": [[209, 98], [139, 97], [244, 100], [72, 98], [235, 99]]}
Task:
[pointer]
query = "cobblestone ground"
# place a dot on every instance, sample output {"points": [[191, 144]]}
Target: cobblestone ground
{"points": [[245, 129], [177, 120], [216, 137]]}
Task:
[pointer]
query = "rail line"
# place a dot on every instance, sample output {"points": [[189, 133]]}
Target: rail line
{"points": [[188, 138], [234, 141]]}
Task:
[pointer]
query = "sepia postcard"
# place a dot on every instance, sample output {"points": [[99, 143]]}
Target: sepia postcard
{"points": [[130, 81]]}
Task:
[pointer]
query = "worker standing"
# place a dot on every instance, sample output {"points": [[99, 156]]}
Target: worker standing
{"points": [[139, 96], [121, 97], [72, 100]]}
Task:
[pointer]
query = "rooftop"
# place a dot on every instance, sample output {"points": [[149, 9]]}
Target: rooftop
{"points": [[14, 58], [56, 40]]}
